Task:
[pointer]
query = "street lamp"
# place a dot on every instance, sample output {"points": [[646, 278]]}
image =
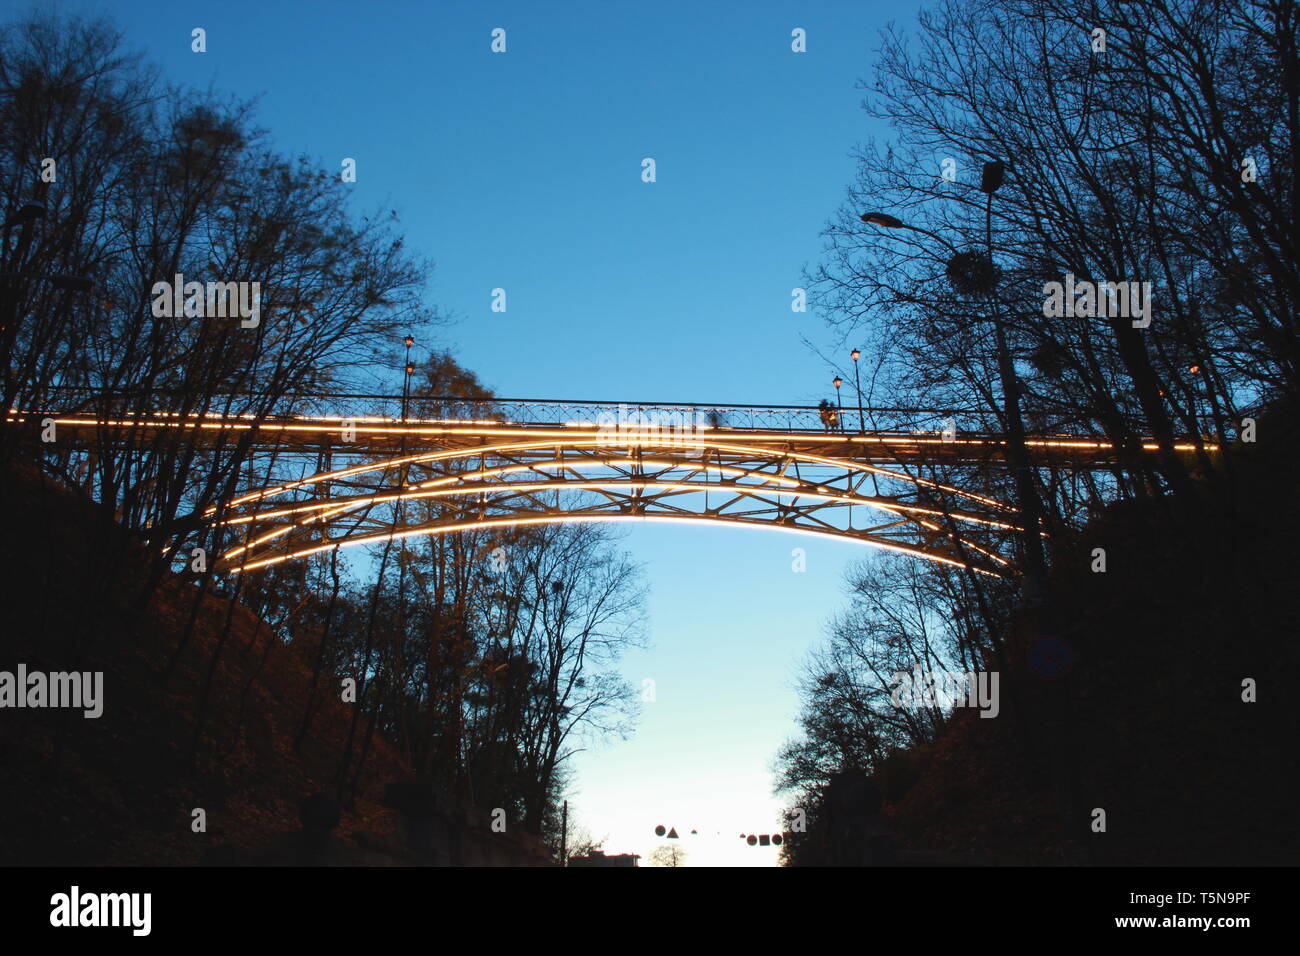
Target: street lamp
{"points": [[857, 382], [410, 370], [991, 176], [974, 273], [885, 221], [837, 382], [881, 219]]}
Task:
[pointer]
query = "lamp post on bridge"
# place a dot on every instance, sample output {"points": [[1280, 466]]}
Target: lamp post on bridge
{"points": [[839, 405], [857, 382], [406, 379]]}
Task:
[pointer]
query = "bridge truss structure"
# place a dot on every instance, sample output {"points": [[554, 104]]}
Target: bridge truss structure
{"points": [[905, 480]]}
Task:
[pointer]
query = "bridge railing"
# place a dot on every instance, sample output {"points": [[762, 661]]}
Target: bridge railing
{"points": [[683, 417], [678, 415]]}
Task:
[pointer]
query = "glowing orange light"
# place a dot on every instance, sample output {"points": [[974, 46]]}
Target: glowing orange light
{"points": [[559, 519]]}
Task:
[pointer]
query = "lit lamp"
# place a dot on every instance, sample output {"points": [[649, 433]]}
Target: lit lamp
{"points": [[857, 381], [410, 370]]}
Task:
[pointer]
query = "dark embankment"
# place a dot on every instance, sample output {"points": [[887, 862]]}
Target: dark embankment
{"points": [[1126, 696], [121, 789]]}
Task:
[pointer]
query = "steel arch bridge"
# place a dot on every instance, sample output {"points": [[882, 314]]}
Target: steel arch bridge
{"points": [[462, 465]]}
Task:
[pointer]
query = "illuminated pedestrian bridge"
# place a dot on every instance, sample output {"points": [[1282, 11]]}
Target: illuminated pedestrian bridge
{"points": [[905, 480]]}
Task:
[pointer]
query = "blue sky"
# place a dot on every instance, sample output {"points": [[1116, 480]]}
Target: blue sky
{"points": [[522, 171]]}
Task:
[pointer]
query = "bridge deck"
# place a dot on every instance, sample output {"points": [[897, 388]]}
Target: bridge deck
{"points": [[376, 435]]}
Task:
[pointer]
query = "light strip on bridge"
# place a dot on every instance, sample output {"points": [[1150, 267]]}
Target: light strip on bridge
{"points": [[484, 450], [342, 507], [560, 519], [509, 429]]}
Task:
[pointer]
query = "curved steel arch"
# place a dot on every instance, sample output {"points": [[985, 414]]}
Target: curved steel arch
{"points": [[703, 443], [647, 478]]}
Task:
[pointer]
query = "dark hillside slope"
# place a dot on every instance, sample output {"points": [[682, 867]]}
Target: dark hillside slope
{"points": [[1128, 696], [125, 787]]}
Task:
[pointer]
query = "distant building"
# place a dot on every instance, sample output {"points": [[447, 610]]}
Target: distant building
{"points": [[600, 858]]}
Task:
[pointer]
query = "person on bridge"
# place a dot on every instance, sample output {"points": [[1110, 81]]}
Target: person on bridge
{"points": [[829, 415]]}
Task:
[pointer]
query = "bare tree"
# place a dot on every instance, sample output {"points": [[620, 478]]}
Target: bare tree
{"points": [[667, 855]]}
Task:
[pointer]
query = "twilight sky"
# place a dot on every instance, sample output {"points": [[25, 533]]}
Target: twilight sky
{"points": [[522, 171]]}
